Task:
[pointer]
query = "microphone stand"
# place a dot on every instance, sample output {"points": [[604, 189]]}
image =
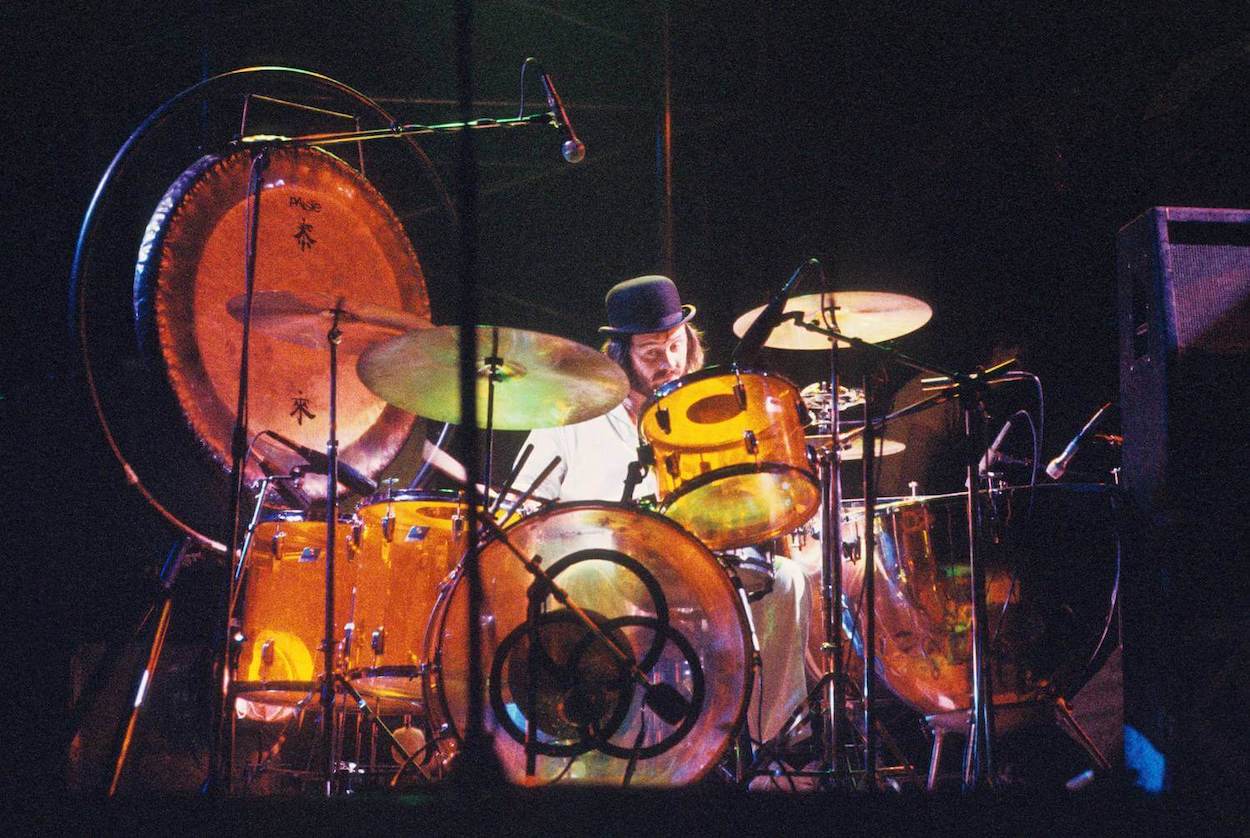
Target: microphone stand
{"points": [[970, 389], [221, 749]]}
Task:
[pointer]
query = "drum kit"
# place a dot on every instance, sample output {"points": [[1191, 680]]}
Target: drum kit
{"points": [[616, 642], [734, 449]]}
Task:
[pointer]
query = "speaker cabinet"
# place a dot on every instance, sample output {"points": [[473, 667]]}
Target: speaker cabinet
{"points": [[1184, 323]]}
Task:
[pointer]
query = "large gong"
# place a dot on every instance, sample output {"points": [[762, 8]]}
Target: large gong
{"points": [[324, 233]]}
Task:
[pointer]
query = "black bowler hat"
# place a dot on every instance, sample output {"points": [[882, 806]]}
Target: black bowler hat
{"points": [[644, 304]]}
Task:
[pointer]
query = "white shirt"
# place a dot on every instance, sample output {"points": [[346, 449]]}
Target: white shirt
{"points": [[594, 459]]}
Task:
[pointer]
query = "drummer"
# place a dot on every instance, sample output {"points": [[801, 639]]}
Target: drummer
{"points": [[650, 335]]}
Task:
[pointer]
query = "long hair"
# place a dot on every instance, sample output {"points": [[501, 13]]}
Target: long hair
{"points": [[616, 347]]}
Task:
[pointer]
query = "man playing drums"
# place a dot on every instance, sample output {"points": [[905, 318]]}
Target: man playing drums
{"points": [[649, 335]]}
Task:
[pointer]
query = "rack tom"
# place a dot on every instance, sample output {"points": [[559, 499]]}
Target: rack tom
{"points": [[730, 459]]}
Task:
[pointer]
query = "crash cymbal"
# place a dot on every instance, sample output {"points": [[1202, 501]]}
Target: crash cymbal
{"points": [[871, 316], [304, 317], [543, 380], [853, 448]]}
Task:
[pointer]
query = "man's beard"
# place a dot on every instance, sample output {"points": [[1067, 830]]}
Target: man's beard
{"points": [[640, 385]]}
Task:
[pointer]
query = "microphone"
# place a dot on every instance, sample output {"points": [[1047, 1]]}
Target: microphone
{"points": [[319, 462], [1058, 466], [991, 454], [573, 150], [753, 341]]}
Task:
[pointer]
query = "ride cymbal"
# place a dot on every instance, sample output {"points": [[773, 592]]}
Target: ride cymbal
{"points": [[871, 316], [541, 380]]}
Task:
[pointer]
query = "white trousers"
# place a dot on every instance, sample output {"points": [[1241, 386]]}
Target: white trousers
{"points": [[782, 618]]}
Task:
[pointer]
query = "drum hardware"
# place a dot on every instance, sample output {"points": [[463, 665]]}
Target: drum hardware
{"points": [[816, 397], [162, 606], [851, 445], [825, 321], [970, 389]]}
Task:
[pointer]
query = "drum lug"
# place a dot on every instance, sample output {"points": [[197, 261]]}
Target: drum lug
{"points": [[672, 464], [752, 444], [266, 653], [850, 550], [458, 526], [741, 392], [805, 416], [377, 641], [388, 526], [662, 419], [275, 543], [349, 629]]}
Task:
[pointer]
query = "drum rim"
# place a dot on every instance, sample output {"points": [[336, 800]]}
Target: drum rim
{"points": [[408, 495], [432, 666], [713, 371], [737, 470]]}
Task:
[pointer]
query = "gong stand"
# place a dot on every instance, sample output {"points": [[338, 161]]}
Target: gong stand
{"points": [[220, 753], [971, 390]]}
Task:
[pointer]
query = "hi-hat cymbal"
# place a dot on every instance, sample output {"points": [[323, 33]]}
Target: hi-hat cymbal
{"points": [[305, 318], [816, 397], [542, 380], [853, 448], [871, 316]]}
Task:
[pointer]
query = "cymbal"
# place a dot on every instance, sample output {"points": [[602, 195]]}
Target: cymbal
{"points": [[305, 317], [543, 381], [871, 316], [853, 448], [816, 397]]}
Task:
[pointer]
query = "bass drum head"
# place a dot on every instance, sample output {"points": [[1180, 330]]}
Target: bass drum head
{"points": [[325, 233], [661, 597]]}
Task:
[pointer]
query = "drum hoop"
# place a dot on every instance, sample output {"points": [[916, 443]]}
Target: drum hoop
{"points": [[707, 478], [450, 496], [442, 608], [433, 664], [714, 371], [270, 693]]}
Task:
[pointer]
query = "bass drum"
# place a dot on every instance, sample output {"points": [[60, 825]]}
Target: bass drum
{"points": [[1052, 578], [661, 598]]}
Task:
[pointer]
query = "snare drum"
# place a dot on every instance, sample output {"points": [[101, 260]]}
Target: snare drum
{"points": [[656, 592], [409, 541], [731, 461], [283, 621]]}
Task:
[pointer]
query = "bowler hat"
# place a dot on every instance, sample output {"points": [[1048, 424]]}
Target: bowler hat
{"points": [[644, 304]]}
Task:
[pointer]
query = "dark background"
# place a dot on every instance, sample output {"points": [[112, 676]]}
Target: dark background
{"points": [[978, 156]]}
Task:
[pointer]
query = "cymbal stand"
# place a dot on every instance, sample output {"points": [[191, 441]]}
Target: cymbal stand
{"points": [[333, 336], [831, 552], [970, 388]]}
